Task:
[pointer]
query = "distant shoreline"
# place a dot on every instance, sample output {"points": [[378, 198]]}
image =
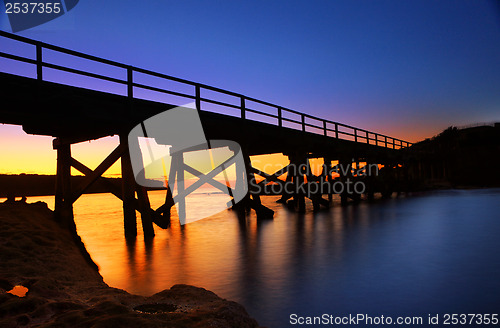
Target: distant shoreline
{"points": [[34, 185], [31, 185]]}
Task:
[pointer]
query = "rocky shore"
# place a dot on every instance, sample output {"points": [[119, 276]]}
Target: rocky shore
{"points": [[63, 290]]}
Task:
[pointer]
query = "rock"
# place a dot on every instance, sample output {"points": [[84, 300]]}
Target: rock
{"points": [[65, 291]]}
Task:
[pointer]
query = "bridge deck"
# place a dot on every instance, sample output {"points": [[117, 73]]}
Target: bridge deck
{"points": [[61, 110], [78, 114]]}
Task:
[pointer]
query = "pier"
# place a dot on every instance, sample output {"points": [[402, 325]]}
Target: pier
{"points": [[43, 105]]}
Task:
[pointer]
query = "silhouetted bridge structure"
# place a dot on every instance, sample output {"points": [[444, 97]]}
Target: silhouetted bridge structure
{"points": [[76, 97]]}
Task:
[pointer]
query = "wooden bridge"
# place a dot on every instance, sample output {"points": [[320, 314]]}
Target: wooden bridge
{"points": [[48, 92]]}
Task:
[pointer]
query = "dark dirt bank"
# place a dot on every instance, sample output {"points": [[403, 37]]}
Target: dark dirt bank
{"points": [[459, 158], [65, 291], [44, 185]]}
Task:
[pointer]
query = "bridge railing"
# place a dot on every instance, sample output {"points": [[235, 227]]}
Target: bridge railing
{"points": [[230, 103]]}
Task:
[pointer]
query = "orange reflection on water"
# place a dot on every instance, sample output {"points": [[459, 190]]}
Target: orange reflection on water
{"points": [[222, 253]]}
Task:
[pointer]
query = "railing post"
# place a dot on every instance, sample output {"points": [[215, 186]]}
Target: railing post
{"points": [[355, 135], [280, 121], [376, 139], [198, 97], [130, 83], [325, 132], [367, 138], [385, 142], [39, 65], [243, 112], [303, 118], [336, 131], [393, 143]]}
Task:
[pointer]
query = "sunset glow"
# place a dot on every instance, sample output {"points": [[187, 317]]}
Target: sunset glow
{"points": [[258, 163], [29, 154]]}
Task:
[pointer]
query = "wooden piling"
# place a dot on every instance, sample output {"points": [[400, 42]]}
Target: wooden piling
{"points": [[262, 211], [328, 176], [63, 197], [298, 197], [343, 166], [285, 196], [179, 160], [128, 192], [146, 212], [142, 193]]}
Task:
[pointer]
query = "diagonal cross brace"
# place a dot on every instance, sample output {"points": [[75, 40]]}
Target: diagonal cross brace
{"points": [[205, 178], [270, 177], [87, 171], [98, 172], [222, 187], [111, 187]]}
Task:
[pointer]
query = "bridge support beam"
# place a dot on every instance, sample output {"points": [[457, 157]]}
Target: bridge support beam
{"points": [[327, 173], [299, 163], [130, 203], [285, 196], [253, 198], [63, 201], [66, 195], [128, 196], [142, 203], [369, 180], [388, 180], [322, 181], [344, 167], [63, 209]]}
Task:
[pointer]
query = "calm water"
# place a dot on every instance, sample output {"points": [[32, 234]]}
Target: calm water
{"points": [[425, 254]]}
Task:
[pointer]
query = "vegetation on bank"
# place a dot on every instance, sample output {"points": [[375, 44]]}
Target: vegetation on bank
{"points": [[467, 157]]}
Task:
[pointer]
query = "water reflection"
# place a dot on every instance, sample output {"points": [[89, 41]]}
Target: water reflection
{"points": [[423, 254]]}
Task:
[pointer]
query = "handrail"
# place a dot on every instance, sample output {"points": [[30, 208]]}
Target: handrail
{"points": [[353, 133]]}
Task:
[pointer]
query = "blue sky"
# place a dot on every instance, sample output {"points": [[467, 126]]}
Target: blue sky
{"points": [[404, 68]]}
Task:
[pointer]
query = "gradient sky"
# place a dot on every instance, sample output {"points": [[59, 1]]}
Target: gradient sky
{"points": [[408, 69]]}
